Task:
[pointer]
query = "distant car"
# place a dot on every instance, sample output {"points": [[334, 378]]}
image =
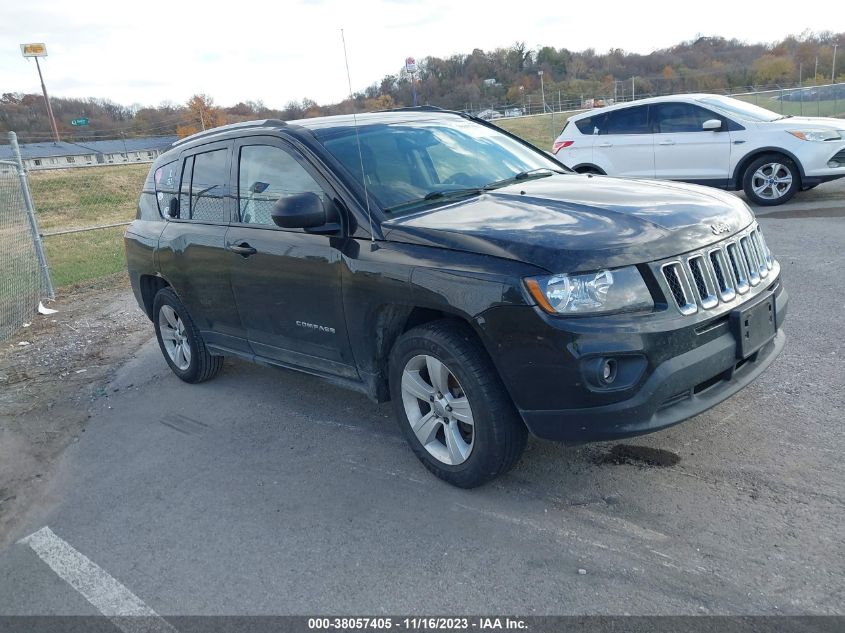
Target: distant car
{"points": [[510, 112], [709, 140], [488, 115]]}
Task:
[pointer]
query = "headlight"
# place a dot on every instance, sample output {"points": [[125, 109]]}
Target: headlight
{"points": [[620, 290], [816, 135]]}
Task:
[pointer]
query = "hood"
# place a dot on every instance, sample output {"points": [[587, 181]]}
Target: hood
{"points": [[572, 222], [807, 122]]}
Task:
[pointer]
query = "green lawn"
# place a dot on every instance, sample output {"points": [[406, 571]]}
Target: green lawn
{"points": [[796, 108], [86, 196], [83, 256], [79, 198], [540, 130]]}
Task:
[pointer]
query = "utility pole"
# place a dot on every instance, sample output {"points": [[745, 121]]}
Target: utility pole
{"points": [[833, 69], [633, 89], [37, 50], [542, 90]]}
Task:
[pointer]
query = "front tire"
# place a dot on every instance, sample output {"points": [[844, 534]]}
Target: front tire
{"points": [[452, 406], [771, 180], [180, 341]]}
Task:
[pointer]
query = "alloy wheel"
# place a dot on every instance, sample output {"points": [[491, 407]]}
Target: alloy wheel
{"points": [[438, 410], [174, 337], [771, 181]]}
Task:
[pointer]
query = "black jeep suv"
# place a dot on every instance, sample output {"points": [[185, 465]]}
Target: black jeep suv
{"points": [[431, 259]]}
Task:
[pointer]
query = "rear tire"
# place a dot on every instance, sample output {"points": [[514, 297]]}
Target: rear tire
{"points": [[452, 405], [771, 180], [180, 341]]}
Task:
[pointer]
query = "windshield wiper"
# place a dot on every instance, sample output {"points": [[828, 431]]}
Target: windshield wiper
{"points": [[531, 174], [437, 195]]}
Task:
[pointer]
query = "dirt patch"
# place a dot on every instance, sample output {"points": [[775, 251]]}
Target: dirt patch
{"points": [[50, 372], [629, 454]]}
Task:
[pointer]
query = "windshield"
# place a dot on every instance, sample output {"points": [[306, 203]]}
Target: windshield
{"points": [[741, 109], [430, 162]]}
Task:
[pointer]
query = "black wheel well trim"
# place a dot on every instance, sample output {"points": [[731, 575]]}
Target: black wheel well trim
{"points": [[150, 285], [739, 171], [601, 171], [391, 321]]}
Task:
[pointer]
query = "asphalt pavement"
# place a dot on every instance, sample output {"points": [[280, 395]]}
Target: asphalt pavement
{"points": [[271, 492]]}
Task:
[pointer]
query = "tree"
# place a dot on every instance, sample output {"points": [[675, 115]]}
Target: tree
{"points": [[201, 114], [772, 69]]}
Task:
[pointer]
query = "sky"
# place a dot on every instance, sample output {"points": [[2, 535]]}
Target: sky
{"points": [[167, 50]]}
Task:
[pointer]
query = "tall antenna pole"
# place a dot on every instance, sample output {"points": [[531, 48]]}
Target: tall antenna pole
{"points": [[55, 129], [358, 139]]}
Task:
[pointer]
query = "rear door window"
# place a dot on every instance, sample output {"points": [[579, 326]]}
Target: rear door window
{"points": [[682, 117], [205, 186], [627, 121]]}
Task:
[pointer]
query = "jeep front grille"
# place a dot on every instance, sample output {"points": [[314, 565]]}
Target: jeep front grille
{"points": [[705, 279]]}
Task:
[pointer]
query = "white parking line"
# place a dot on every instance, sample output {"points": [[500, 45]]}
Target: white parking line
{"points": [[107, 595]]}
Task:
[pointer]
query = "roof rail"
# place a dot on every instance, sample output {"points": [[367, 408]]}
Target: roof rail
{"points": [[232, 126], [422, 108]]}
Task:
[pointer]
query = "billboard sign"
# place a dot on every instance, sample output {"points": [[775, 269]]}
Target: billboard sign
{"points": [[36, 49], [410, 65]]}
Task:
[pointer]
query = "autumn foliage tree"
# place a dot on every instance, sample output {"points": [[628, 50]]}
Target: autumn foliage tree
{"points": [[200, 114]]}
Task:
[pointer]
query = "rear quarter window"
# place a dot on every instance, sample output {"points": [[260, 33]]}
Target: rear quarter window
{"points": [[166, 180], [592, 124]]}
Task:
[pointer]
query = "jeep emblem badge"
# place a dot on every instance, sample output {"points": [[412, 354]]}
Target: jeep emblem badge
{"points": [[721, 227]]}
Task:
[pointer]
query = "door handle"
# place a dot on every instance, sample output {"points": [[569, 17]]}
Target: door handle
{"points": [[605, 144], [242, 248], [666, 143]]}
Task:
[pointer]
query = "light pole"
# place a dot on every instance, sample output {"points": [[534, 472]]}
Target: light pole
{"points": [[37, 50], [833, 68], [542, 90]]}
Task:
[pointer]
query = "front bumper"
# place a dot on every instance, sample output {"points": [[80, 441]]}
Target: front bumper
{"points": [[687, 371], [673, 393]]}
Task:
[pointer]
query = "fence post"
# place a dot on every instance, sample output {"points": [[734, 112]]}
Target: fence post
{"points": [[33, 222]]}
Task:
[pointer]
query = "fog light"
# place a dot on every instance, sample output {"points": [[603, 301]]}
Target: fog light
{"points": [[608, 371], [832, 164]]}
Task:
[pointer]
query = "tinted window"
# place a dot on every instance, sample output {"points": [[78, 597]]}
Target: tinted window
{"points": [[627, 121], [590, 125], [681, 117], [167, 185], [208, 185], [266, 174]]}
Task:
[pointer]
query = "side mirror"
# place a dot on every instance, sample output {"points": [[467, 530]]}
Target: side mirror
{"points": [[712, 124], [299, 211], [173, 207]]}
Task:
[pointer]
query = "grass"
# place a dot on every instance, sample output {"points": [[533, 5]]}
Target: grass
{"points": [[86, 196], [796, 108], [80, 198], [540, 130], [84, 256]]}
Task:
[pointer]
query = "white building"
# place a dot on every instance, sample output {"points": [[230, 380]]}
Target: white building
{"points": [[66, 154]]}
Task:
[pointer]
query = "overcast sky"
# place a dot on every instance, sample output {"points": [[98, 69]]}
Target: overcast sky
{"points": [[156, 50]]}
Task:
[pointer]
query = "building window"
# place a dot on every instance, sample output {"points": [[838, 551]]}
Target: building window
{"points": [[123, 155], [37, 161], [70, 159], [151, 155]]}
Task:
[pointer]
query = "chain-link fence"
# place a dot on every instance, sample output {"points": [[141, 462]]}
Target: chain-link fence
{"points": [[83, 213], [20, 274]]}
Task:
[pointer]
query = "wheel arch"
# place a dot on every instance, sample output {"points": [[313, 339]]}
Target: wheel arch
{"points": [[742, 165], [149, 286], [586, 168], [390, 321]]}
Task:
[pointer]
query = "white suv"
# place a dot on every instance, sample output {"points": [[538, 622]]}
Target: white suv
{"points": [[709, 140]]}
